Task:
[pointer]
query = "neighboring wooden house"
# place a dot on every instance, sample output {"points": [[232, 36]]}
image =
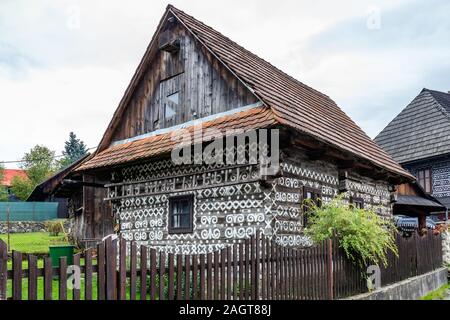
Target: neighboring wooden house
{"points": [[53, 190], [419, 139], [190, 78]]}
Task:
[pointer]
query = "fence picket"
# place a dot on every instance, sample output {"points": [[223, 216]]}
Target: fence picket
{"points": [[195, 277], [162, 269], [187, 278], [179, 277], [88, 274], [121, 290], [62, 278], [202, 277], [101, 273], [133, 270], [143, 274], [48, 278], [76, 289], [153, 274], [32, 277], [110, 263], [3, 269], [17, 275], [256, 268]]}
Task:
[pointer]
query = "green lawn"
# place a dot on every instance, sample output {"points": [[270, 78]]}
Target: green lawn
{"points": [[37, 242]]}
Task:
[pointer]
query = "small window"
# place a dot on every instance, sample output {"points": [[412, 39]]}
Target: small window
{"points": [[424, 177], [316, 196], [357, 202], [181, 214]]}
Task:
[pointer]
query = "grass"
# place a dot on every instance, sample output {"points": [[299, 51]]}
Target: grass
{"points": [[439, 294], [36, 242]]}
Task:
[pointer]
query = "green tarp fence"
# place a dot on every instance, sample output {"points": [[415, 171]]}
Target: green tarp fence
{"points": [[28, 211]]}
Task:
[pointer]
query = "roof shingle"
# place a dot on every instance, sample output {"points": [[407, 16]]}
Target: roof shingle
{"points": [[420, 130], [292, 103]]}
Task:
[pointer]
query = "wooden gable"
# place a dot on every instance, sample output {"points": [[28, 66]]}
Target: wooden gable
{"points": [[183, 82]]}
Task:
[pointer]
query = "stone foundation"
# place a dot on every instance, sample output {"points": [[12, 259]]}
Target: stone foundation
{"points": [[26, 226], [446, 247], [410, 289]]}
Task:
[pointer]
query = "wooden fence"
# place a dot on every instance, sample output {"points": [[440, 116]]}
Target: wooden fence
{"points": [[256, 269]]}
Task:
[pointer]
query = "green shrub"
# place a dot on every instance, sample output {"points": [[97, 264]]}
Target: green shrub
{"points": [[55, 228], [364, 235]]}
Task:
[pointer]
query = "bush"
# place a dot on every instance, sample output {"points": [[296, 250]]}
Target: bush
{"points": [[55, 228], [365, 236]]}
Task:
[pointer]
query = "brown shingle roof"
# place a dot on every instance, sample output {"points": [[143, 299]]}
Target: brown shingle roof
{"points": [[256, 118], [293, 103]]}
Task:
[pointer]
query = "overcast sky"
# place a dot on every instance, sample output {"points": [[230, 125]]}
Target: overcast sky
{"points": [[64, 65]]}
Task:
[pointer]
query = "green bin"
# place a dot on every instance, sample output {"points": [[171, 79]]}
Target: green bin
{"points": [[61, 251]]}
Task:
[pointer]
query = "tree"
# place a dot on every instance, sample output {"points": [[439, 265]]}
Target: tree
{"points": [[22, 187], [3, 191], [74, 149], [39, 165]]}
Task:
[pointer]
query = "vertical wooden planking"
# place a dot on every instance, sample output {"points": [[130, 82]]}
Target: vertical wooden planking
{"points": [[133, 270], [3, 269], [62, 281], [202, 277], [153, 274], [48, 278], [110, 262], [121, 294], [76, 290], [187, 278], [88, 274], [209, 295], [223, 267], [179, 277], [171, 276], [17, 275], [162, 269], [101, 272], [32, 277]]}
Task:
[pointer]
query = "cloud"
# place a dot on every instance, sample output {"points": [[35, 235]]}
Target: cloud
{"points": [[64, 65]]}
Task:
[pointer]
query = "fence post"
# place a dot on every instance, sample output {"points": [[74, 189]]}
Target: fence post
{"points": [[330, 269], [3, 269]]}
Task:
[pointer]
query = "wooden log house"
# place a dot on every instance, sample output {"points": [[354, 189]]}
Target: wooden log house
{"points": [[192, 77]]}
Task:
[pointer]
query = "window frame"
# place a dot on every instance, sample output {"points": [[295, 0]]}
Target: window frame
{"points": [[354, 200], [187, 230], [423, 172]]}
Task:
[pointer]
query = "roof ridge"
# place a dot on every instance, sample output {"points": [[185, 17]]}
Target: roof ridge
{"points": [[173, 8], [438, 103]]}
